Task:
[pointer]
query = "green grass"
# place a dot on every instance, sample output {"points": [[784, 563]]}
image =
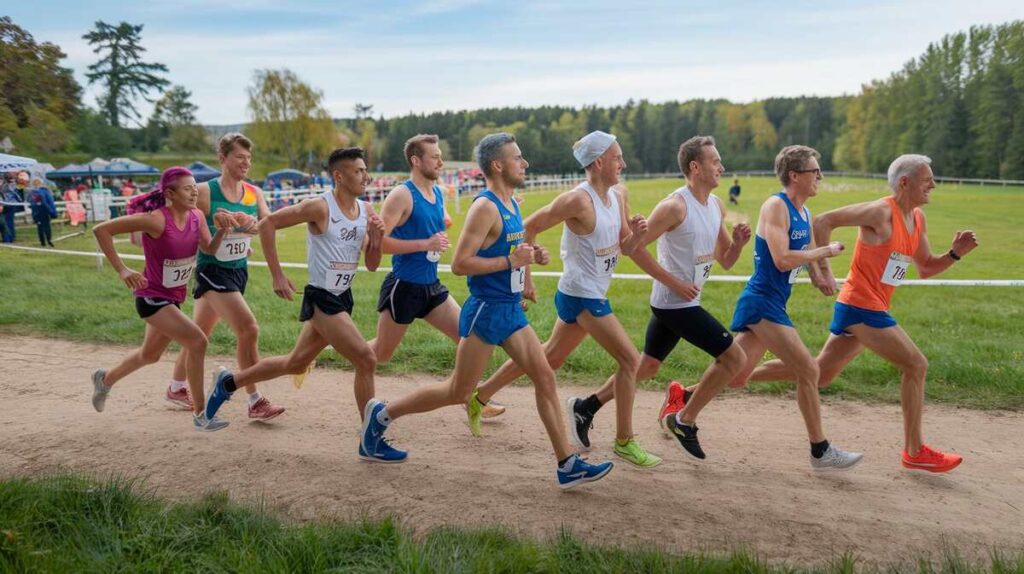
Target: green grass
{"points": [[971, 335], [73, 524]]}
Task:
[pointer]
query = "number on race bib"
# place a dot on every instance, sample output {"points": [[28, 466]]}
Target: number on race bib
{"points": [[339, 276], [433, 256], [177, 272], [794, 274], [518, 279], [234, 247], [606, 259], [896, 269], [701, 272]]}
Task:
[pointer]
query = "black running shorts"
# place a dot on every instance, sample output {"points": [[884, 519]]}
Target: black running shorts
{"points": [[409, 301], [693, 324]]}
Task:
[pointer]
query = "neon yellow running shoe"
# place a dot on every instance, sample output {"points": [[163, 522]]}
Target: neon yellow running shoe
{"points": [[633, 453], [474, 410], [300, 378]]}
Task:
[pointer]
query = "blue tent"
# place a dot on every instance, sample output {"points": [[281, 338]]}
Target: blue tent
{"points": [[276, 177], [119, 167], [70, 170], [15, 163], [203, 172]]}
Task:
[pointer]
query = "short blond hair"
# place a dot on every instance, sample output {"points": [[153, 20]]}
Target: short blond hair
{"points": [[414, 145], [793, 158], [227, 142]]}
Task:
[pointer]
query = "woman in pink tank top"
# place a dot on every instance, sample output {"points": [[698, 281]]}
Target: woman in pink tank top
{"points": [[172, 231]]}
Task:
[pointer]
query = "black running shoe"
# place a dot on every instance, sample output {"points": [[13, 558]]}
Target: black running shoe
{"points": [[581, 424], [687, 438]]}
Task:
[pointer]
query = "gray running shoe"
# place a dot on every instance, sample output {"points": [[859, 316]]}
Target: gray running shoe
{"points": [[836, 459], [203, 424], [99, 390]]}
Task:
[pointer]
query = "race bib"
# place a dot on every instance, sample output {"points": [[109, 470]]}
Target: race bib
{"points": [[517, 279], [794, 274], [177, 272], [702, 271], [338, 278], [233, 247], [433, 256], [896, 269], [606, 259]]}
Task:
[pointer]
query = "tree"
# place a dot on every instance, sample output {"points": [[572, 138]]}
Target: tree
{"points": [[173, 123], [122, 72], [288, 117], [175, 108]]}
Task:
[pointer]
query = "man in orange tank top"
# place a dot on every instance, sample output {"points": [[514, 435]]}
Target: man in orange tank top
{"points": [[893, 236]]}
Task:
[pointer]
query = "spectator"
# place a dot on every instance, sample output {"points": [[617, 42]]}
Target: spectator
{"points": [[12, 205], [43, 210], [734, 191]]}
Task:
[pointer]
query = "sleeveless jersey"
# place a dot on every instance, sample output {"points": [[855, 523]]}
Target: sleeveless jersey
{"points": [[171, 258], [505, 286], [688, 251], [233, 252], [589, 260], [767, 279], [877, 270], [425, 220], [333, 256]]}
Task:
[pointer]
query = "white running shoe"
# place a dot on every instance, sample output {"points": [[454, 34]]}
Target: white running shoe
{"points": [[836, 459], [99, 390]]}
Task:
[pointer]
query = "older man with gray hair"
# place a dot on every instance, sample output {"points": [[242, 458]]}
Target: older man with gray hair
{"points": [[892, 237]]}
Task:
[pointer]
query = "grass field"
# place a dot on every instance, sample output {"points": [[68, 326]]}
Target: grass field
{"points": [[72, 524], [971, 335]]}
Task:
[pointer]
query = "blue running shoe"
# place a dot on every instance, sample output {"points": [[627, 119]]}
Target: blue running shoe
{"points": [[386, 453], [581, 471], [218, 394], [373, 430]]}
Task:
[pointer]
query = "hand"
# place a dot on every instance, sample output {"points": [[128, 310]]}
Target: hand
{"points": [[827, 285], [741, 234], [541, 255], [834, 248], [638, 225], [133, 279], [223, 220], [522, 256], [447, 220], [375, 227], [964, 242], [688, 291], [529, 293], [438, 242], [245, 223], [283, 287]]}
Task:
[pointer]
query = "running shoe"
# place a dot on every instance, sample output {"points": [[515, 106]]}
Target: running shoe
{"points": [[218, 394], [474, 410], [581, 423], [300, 378], [931, 460], [675, 400], [492, 409], [203, 424], [836, 459], [633, 453], [686, 436], [373, 430], [179, 398], [385, 454], [99, 390], [580, 471], [264, 410]]}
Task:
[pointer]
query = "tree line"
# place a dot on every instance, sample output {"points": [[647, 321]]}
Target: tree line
{"points": [[961, 102]]}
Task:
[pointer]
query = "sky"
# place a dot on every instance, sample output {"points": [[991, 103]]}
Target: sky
{"points": [[404, 56]]}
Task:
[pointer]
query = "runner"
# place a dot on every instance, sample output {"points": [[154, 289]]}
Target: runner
{"points": [[172, 231], [221, 278], [492, 253], [339, 226], [892, 236], [783, 245], [692, 236], [414, 232], [596, 232]]}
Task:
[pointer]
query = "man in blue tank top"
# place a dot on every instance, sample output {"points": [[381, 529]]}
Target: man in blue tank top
{"points": [[597, 232], [414, 226], [493, 256], [783, 245]]}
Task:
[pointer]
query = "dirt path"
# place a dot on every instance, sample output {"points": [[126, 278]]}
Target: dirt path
{"points": [[755, 490]]}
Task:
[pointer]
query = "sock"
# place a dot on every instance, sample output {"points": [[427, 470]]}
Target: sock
{"points": [[566, 463], [818, 448], [687, 393], [591, 405], [254, 398], [477, 397], [177, 385], [680, 422], [229, 384], [383, 417], [622, 442]]}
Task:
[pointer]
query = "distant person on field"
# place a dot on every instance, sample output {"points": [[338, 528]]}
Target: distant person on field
{"points": [[734, 192], [12, 205], [43, 210]]}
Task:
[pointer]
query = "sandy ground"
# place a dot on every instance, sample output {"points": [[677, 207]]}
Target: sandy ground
{"points": [[755, 490]]}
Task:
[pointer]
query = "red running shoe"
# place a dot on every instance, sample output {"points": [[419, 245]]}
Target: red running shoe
{"points": [[179, 398], [675, 400], [931, 460], [264, 410]]}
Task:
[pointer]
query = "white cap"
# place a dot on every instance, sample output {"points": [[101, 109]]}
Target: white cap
{"points": [[591, 146]]}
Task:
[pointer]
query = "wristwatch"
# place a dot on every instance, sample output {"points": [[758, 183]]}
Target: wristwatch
{"points": [[954, 255]]}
